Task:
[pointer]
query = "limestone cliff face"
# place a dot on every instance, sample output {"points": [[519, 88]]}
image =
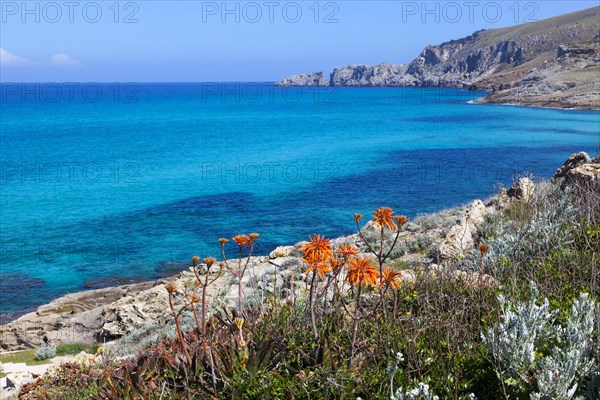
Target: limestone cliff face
{"points": [[365, 75], [310, 79], [463, 62], [488, 60], [571, 80]]}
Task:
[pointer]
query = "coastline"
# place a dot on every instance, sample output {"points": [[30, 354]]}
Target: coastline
{"points": [[549, 105], [480, 101], [483, 100], [122, 321], [104, 315], [425, 244]]}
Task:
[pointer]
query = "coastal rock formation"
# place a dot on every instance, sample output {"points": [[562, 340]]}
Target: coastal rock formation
{"points": [[111, 313], [457, 241], [521, 190], [287, 251], [10, 387], [552, 63], [584, 175], [76, 317], [365, 75], [578, 169], [461, 237], [476, 212], [569, 81], [575, 160], [310, 79]]}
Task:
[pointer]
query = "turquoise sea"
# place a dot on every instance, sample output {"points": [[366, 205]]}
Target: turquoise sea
{"points": [[114, 181]]}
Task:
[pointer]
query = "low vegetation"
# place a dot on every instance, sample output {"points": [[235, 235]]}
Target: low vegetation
{"points": [[522, 323], [42, 354]]}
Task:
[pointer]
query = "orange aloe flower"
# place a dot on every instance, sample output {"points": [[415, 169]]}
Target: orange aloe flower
{"points": [[384, 217], [223, 241], [357, 217], [321, 267], [241, 240], [361, 272], [171, 287], [209, 261], [391, 278], [347, 251], [335, 263], [253, 237], [401, 220], [317, 249]]}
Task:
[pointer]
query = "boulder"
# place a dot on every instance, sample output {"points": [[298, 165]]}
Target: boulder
{"points": [[337, 242], [458, 239], [579, 170], [574, 161], [582, 176], [282, 251], [121, 319], [476, 212], [298, 252], [10, 386], [521, 190], [408, 275], [586, 174]]}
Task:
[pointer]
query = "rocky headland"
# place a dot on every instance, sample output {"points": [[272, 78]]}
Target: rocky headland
{"points": [[551, 63]]}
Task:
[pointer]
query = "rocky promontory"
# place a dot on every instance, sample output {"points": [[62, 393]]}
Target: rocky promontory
{"points": [[381, 75], [553, 62], [572, 80], [310, 79]]}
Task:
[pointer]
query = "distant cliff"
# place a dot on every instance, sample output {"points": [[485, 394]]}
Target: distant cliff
{"points": [[554, 55], [310, 79]]}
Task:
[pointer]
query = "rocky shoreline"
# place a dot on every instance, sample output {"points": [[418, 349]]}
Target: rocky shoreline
{"points": [[549, 63], [425, 244], [107, 314]]}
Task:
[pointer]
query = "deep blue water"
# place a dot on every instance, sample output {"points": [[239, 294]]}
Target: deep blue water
{"points": [[130, 181]]}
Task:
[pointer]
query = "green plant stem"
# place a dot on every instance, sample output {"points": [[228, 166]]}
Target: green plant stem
{"points": [[204, 307], [311, 306], [193, 304], [355, 325], [178, 328]]}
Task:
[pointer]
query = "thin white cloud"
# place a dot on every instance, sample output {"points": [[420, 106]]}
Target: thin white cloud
{"points": [[63, 59], [7, 58]]}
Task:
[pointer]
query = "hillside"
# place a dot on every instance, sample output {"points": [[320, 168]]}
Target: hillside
{"points": [[558, 56]]}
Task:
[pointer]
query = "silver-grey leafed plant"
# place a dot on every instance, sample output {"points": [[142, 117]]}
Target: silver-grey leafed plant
{"points": [[533, 353]]}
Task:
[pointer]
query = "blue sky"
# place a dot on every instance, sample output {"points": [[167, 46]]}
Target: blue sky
{"points": [[160, 41]]}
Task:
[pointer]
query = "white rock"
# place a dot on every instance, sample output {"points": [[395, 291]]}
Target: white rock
{"points": [[458, 240], [282, 251], [522, 190], [11, 385], [476, 212]]}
